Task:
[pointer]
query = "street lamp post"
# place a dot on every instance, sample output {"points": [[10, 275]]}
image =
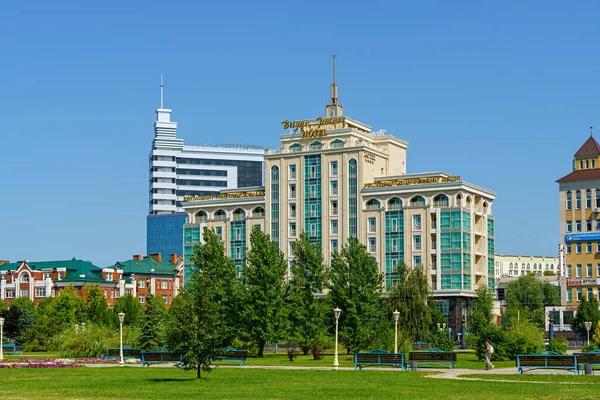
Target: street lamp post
{"points": [[336, 313], [396, 316], [76, 328], [1, 338], [588, 326], [550, 327], [121, 318]]}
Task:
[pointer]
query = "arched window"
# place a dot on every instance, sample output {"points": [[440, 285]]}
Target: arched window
{"points": [[534, 265], [258, 212], [441, 200], [528, 266], [468, 200], [459, 200], [522, 265], [551, 266], [220, 215], [580, 164], [296, 147], [587, 163], [511, 265], [417, 201], [275, 173], [24, 277], [337, 144], [373, 204], [201, 217], [394, 204], [316, 146], [239, 214]]}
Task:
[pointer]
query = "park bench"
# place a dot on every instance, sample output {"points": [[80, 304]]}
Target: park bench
{"points": [[378, 357], [546, 360], [432, 356], [420, 346], [12, 348], [281, 347], [128, 352], [591, 357], [159, 356], [235, 355]]}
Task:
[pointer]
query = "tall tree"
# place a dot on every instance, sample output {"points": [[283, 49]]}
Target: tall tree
{"points": [[203, 318], [355, 287], [410, 297], [97, 307], [264, 274], [306, 310], [153, 328], [587, 311], [133, 310], [482, 311], [529, 296]]}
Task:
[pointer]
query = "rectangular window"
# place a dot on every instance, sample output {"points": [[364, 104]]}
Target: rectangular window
{"points": [[334, 245], [372, 245], [416, 222], [333, 168], [40, 292], [569, 271], [417, 261], [164, 284], [588, 199], [24, 293], [334, 208], [312, 172], [24, 278], [165, 299], [589, 293], [109, 276], [588, 225], [578, 226], [292, 229], [333, 188], [59, 276], [334, 226], [569, 226], [140, 284], [589, 270], [577, 200], [142, 299], [569, 200], [292, 169], [588, 247], [568, 246], [578, 248], [219, 231], [417, 242], [598, 270], [578, 270], [292, 210], [394, 246], [10, 293], [598, 224], [579, 294], [292, 191], [372, 224], [569, 295]]}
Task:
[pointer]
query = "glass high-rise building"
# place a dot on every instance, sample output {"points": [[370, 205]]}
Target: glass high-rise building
{"points": [[177, 170]]}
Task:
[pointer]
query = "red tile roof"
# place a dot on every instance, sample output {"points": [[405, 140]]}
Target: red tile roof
{"points": [[589, 148], [581, 175]]}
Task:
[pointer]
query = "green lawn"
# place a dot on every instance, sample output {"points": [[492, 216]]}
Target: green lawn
{"points": [[167, 383], [571, 378]]}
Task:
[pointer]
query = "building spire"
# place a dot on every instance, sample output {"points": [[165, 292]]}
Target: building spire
{"points": [[161, 91], [334, 109]]}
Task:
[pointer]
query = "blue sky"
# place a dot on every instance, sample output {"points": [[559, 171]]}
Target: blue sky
{"points": [[500, 93]]}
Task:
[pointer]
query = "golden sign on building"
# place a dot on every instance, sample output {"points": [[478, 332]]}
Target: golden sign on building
{"points": [[413, 181], [223, 196], [322, 126]]}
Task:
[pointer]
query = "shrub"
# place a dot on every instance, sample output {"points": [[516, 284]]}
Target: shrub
{"points": [[292, 353], [33, 346], [558, 345], [443, 342]]}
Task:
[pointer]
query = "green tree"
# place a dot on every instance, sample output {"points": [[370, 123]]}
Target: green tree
{"points": [[152, 334], [3, 307], [587, 311], [134, 311], [411, 298], [264, 274], [97, 307], [68, 309], [355, 287], [528, 296], [203, 318], [482, 311], [306, 310]]}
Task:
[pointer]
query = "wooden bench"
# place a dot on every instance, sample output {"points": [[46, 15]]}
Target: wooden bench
{"points": [[235, 355], [12, 348], [432, 356], [128, 352], [546, 360], [378, 357], [591, 357], [154, 357]]}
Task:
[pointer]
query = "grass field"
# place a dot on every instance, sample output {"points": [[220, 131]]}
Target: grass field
{"points": [[167, 383], [571, 378]]}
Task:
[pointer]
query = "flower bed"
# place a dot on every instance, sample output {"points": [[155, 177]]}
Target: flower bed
{"points": [[38, 360], [39, 365]]}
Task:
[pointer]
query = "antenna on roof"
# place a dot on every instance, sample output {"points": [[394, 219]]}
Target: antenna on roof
{"points": [[591, 131], [161, 91]]}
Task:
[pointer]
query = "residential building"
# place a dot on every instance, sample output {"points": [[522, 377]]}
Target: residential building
{"points": [[579, 202], [514, 265], [177, 170], [335, 178]]}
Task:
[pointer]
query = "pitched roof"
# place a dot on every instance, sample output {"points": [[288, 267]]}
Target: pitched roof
{"points": [[147, 265], [85, 276], [581, 175], [589, 148], [69, 265]]}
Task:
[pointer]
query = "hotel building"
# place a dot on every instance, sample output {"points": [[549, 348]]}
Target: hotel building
{"points": [[335, 178], [579, 194], [177, 170]]}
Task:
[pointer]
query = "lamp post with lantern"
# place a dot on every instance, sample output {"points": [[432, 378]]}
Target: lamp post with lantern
{"points": [[588, 326], [1, 338], [336, 313], [396, 316], [121, 318]]}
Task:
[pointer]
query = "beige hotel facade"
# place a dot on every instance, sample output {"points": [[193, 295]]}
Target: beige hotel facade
{"points": [[335, 178]]}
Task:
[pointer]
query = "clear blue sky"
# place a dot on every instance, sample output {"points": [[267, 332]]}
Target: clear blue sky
{"points": [[500, 93]]}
